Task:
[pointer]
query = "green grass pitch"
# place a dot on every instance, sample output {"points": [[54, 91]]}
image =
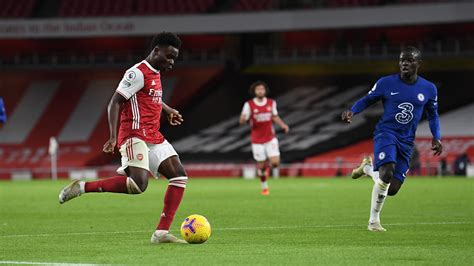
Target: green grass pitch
{"points": [[302, 222]]}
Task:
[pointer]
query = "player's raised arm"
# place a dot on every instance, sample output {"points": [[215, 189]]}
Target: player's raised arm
{"points": [[245, 115], [374, 95], [433, 119], [173, 115]]}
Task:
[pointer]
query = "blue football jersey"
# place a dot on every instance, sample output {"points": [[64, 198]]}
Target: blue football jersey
{"points": [[404, 105]]}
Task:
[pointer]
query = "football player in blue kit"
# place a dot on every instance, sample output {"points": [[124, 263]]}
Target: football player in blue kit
{"points": [[405, 97]]}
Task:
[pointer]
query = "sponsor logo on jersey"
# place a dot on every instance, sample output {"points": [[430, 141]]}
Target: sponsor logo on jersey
{"points": [[156, 94], [421, 97], [263, 117], [255, 110], [406, 114]]}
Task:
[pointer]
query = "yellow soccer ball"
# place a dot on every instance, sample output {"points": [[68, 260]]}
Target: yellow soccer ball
{"points": [[195, 229]]}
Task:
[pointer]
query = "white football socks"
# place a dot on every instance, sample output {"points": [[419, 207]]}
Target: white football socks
{"points": [[369, 170], [379, 193], [82, 185], [276, 172], [264, 185]]}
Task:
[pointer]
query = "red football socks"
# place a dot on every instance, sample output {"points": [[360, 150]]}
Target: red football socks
{"points": [[263, 174], [172, 200], [117, 184]]}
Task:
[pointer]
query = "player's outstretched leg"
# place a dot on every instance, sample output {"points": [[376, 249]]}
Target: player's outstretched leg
{"points": [[379, 193], [135, 183], [263, 172], [174, 171]]}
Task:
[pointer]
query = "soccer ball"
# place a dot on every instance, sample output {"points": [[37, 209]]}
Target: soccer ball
{"points": [[195, 229]]}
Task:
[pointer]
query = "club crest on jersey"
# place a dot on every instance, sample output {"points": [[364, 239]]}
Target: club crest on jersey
{"points": [[381, 155], [421, 97], [140, 156], [130, 76], [269, 108], [255, 110]]}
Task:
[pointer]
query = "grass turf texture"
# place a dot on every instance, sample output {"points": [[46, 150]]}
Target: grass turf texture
{"points": [[303, 221]]}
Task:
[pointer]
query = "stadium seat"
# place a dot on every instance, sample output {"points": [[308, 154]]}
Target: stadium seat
{"points": [[17, 8]]}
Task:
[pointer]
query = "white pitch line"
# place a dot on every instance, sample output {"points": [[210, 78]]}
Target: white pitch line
{"points": [[45, 263], [238, 229]]}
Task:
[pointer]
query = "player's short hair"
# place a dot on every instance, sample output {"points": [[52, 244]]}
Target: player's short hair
{"points": [[412, 49], [258, 83], [165, 39]]}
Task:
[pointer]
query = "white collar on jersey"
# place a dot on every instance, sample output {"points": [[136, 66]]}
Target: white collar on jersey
{"points": [[262, 103], [150, 67]]}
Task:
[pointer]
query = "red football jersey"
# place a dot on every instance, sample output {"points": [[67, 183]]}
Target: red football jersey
{"points": [[261, 123], [140, 116]]}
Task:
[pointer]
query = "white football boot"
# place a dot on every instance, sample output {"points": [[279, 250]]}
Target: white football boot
{"points": [[70, 191], [375, 227], [359, 171], [165, 238]]}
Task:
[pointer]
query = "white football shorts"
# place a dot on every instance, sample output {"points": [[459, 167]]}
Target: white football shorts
{"points": [[261, 152], [137, 153]]}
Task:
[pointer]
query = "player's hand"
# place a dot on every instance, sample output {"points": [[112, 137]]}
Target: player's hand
{"points": [[175, 118], [286, 128], [347, 116], [109, 146], [436, 147]]}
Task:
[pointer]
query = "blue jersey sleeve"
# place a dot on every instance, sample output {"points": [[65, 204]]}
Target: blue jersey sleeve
{"points": [[374, 95], [432, 114], [3, 114]]}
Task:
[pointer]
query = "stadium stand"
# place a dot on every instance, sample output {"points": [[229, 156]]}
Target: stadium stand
{"points": [[147, 7], [92, 8], [17, 8], [62, 87], [253, 5], [72, 106], [311, 104], [107, 8]]}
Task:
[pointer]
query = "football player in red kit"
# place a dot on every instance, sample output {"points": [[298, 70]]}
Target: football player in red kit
{"points": [[261, 112], [143, 148]]}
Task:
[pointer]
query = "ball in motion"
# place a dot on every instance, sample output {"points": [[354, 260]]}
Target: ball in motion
{"points": [[195, 229]]}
